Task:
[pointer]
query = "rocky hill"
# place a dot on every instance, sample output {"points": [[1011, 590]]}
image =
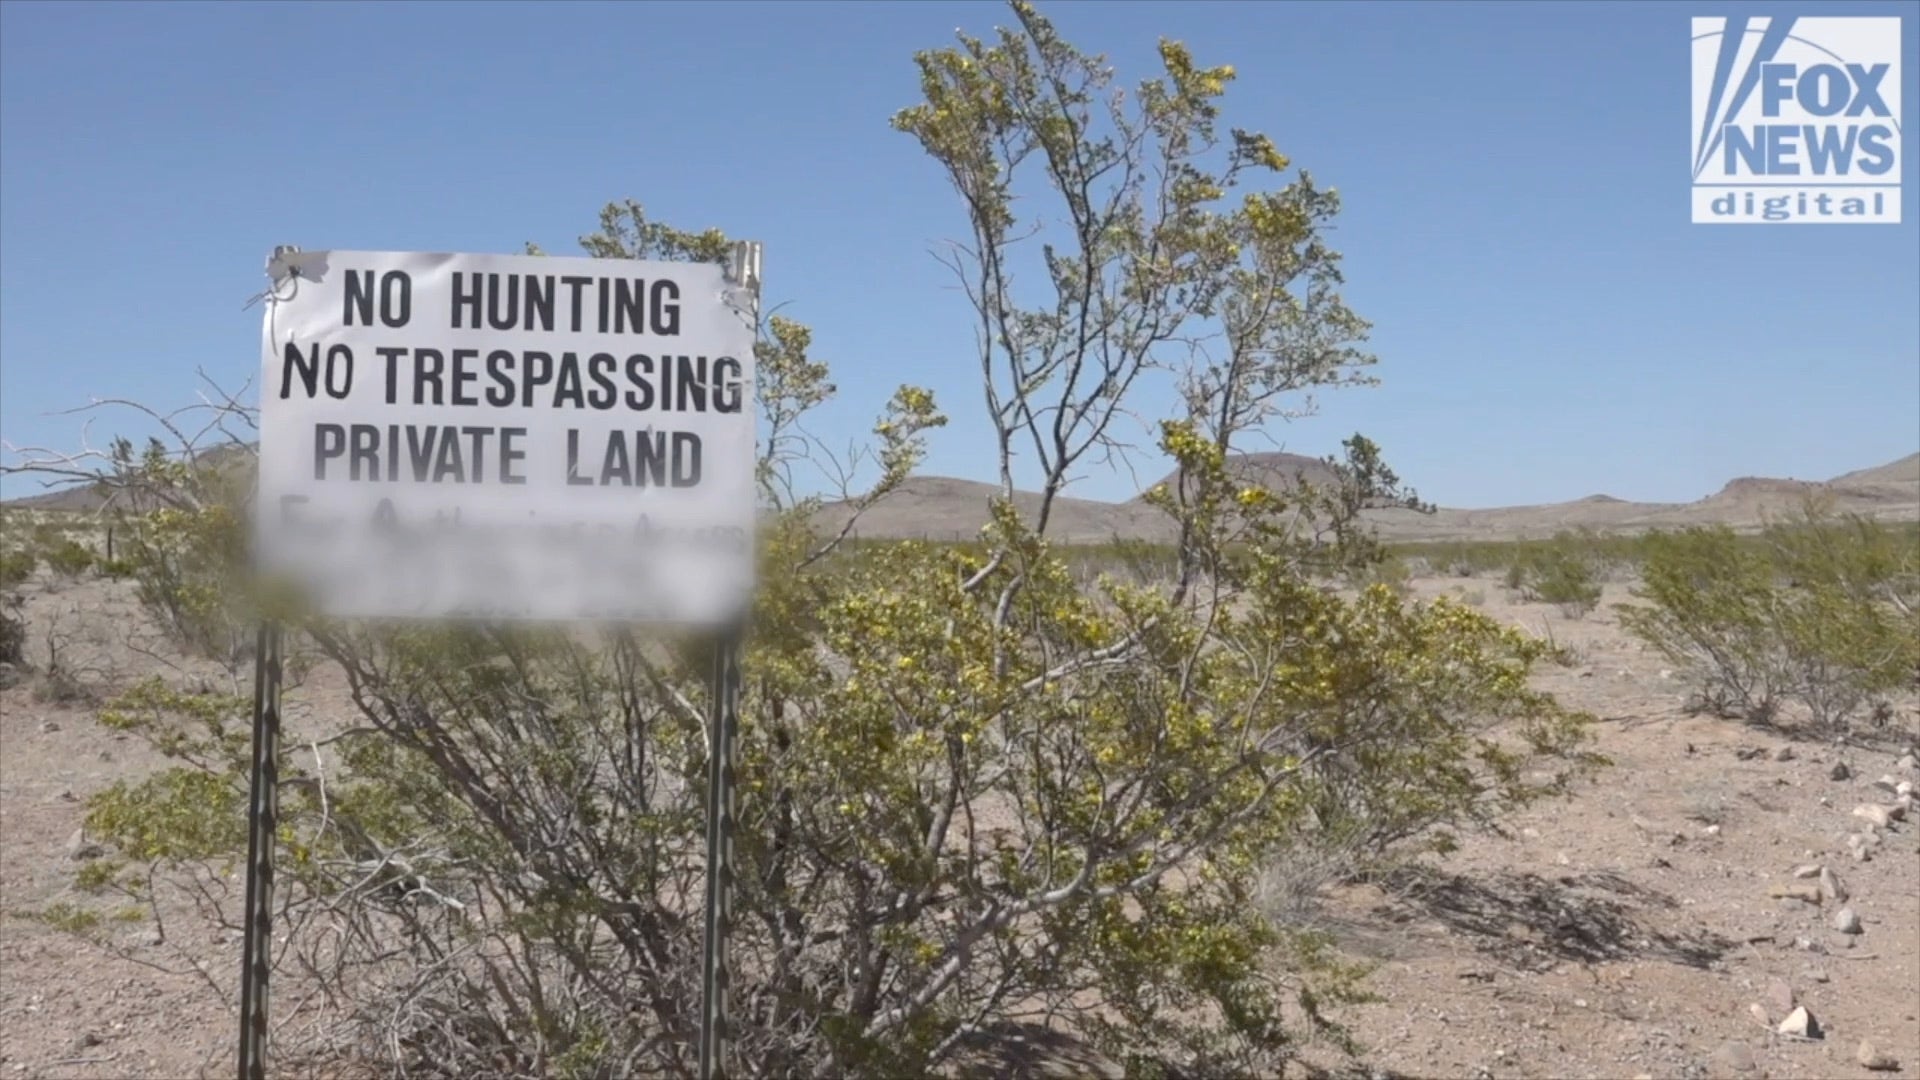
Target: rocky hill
{"points": [[941, 508], [948, 508]]}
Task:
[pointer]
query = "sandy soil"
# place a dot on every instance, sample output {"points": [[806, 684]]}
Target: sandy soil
{"points": [[1627, 931]]}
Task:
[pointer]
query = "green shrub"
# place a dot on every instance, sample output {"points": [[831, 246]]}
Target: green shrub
{"points": [[13, 631], [16, 567], [1136, 561], [1710, 616], [186, 553], [69, 558], [1391, 572], [1515, 577], [1562, 571], [1817, 611], [1567, 580], [1511, 559]]}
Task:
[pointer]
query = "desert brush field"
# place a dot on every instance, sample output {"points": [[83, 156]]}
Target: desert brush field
{"points": [[1727, 896]]}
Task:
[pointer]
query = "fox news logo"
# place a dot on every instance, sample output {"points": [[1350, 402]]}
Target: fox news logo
{"points": [[1796, 120]]}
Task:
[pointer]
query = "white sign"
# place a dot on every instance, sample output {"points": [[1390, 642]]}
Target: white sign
{"points": [[508, 437], [1796, 120]]}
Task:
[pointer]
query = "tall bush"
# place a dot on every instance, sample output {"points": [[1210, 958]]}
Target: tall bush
{"points": [[1563, 571]]}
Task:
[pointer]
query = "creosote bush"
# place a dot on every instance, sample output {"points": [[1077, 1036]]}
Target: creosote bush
{"points": [[981, 784], [13, 630], [69, 558], [1820, 610], [16, 567], [1554, 574]]}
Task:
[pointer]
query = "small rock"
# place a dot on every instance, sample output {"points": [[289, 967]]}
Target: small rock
{"points": [[1904, 787], [1868, 839], [1733, 1058], [86, 1040], [1880, 816], [1905, 762], [1839, 771], [1801, 1023], [1711, 830], [48, 727], [1779, 1000], [1759, 1013], [9, 678], [80, 849], [1847, 921], [1871, 1057], [1808, 893], [1748, 753], [1818, 975], [1832, 887], [1808, 870], [1887, 784], [1785, 753]]}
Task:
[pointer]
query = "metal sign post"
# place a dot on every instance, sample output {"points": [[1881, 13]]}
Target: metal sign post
{"points": [[263, 805], [723, 727], [723, 730]]}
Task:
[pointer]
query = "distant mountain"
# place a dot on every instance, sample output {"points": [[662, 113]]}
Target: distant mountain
{"points": [[1888, 492], [1275, 471], [78, 498], [86, 498], [937, 508], [945, 508], [1905, 471]]}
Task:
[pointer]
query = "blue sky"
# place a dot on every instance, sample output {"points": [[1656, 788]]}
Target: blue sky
{"points": [[1549, 323]]}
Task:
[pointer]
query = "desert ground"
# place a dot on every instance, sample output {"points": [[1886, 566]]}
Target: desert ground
{"points": [[1660, 922]]}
